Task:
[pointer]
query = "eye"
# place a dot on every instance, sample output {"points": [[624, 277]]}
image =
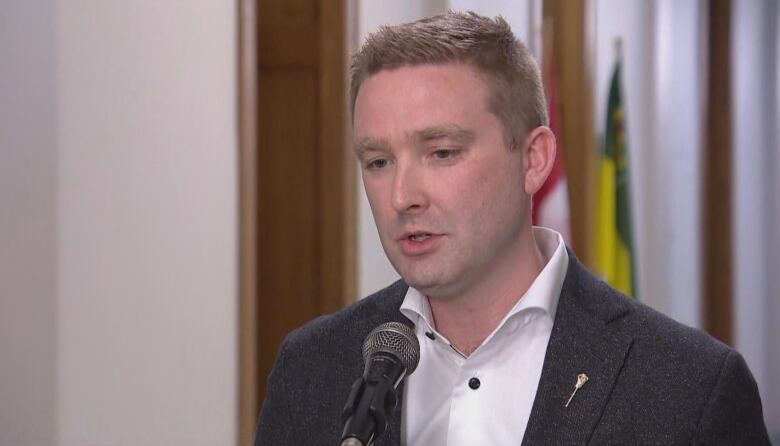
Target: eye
{"points": [[379, 163], [445, 154]]}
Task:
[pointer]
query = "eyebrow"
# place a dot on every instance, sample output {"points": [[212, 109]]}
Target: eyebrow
{"points": [[446, 131], [449, 131], [368, 143]]}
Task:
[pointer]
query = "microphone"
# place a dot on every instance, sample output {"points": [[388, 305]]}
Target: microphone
{"points": [[391, 352]]}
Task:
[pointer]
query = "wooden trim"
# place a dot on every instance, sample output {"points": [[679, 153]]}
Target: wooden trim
{"points": [[248, 410], [717, 267], [567, 18], [336, 166], [297, 180]]}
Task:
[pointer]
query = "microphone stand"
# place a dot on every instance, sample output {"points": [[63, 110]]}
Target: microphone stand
{"points": [[372, 398]]}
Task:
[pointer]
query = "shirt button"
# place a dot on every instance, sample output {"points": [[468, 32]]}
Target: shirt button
{"points": [[474, 383], [430, 335]]}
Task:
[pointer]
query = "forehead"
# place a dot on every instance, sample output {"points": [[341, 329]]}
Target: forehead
{"points": [[420, 96]]}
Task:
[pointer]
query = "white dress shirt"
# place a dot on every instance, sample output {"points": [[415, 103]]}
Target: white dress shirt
{"points": [[485, 398]]}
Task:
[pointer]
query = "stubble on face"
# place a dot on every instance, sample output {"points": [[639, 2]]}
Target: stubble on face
{"points": [[473, 204]]}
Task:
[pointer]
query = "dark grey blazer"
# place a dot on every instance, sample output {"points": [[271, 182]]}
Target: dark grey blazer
{"points": [[652, 380]]}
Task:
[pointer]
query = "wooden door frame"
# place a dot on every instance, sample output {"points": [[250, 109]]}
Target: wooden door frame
{"points": [[717, 282], [565, 22], [333, 203], [248, 407]]}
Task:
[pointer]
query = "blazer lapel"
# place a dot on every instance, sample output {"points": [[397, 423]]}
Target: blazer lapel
{"points": [[580, 343]]}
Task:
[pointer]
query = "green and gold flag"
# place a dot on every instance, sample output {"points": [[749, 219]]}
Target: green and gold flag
{"points": [[614, 246]]}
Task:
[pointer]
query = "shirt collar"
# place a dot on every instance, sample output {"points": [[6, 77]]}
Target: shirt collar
{"points": [[416, 307], [545, 290], [543, 293]]}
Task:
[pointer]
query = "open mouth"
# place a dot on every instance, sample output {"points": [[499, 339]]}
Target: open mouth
{"points": [[419, 236], [419, 243]]}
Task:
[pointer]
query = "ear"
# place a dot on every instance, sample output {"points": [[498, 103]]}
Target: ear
{"points": [[539, 158]]}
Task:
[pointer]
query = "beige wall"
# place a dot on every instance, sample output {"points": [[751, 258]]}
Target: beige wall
{"points": [[118, 262], [28, 223]]}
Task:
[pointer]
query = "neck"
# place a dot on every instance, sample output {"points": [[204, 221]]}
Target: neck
{"points": [[468, 318]]}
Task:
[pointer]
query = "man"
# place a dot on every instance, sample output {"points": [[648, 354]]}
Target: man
{"points": [[519, 343]]}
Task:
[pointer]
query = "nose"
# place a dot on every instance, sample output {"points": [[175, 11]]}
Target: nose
{"points": [[408, 195]]}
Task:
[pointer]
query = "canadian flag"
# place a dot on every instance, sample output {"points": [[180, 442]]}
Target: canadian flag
{"points": [[551, 202]]}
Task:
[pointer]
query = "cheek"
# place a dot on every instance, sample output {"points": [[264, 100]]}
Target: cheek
{"points": [[378, 201], [472, 197], [497, 194]]}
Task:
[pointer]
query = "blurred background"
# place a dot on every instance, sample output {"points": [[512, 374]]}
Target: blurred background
{"points": [[177, 191]]}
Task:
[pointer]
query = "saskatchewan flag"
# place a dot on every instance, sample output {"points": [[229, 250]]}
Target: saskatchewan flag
{"points": [[614, 247]]}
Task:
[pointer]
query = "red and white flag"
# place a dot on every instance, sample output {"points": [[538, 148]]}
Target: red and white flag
{"points": [[551, 202]]}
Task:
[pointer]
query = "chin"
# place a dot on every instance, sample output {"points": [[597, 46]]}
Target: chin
{"points": [[427, 285], [422, 282], [428, 278]]}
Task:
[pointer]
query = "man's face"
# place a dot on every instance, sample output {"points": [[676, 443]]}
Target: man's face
{"points": [[446, 193]]}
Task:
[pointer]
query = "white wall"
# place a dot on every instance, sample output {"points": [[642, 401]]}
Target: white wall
{"points": [[632, 22], [518, 13], [663, 76], [755, 93], [28, 224], [680, 81], [119, 148]]}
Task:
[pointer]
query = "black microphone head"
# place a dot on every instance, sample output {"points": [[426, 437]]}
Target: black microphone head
{"points": [[391, 352], [397, 339]]}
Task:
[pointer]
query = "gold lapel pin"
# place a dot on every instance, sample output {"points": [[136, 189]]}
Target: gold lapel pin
{"points": [[581, 380]]}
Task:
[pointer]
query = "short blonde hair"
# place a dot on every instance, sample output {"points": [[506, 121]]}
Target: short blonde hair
{"points": [[516, 94]]}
